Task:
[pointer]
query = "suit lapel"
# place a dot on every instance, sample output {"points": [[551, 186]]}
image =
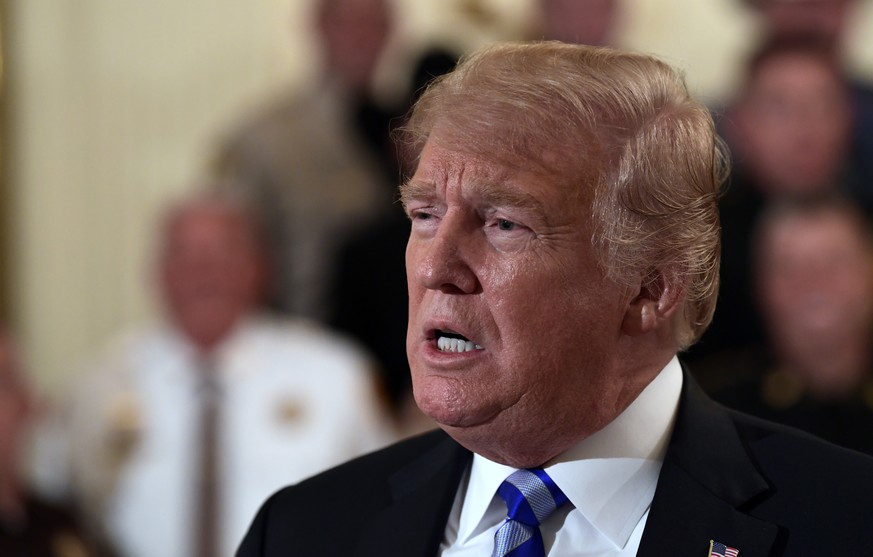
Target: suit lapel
{"points": [[422, 497], [705, 482]]}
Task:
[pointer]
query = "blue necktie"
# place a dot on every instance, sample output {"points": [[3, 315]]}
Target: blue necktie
{"points": [[530, 496]]}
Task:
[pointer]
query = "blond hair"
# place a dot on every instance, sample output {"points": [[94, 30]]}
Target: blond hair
{"points": [[628, 137]]}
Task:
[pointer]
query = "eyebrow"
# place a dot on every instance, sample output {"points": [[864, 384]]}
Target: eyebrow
{"points": [[416, 189], [488, 191]]}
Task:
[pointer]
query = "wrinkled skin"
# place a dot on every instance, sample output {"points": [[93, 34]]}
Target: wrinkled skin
{"points": [[503, 257]]}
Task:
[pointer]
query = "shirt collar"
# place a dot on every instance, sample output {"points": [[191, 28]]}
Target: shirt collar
{"points": [[609, 477]]}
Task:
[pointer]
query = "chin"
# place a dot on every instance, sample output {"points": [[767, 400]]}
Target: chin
{"points": [[449, 407], [503, 445]]}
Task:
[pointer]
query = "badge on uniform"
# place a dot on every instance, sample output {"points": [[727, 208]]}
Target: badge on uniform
{"points": [[289, 411], [718, 549], [125, 419]]}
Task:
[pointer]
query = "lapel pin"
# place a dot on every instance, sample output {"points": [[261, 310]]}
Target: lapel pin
{"points": [[718, 549]]}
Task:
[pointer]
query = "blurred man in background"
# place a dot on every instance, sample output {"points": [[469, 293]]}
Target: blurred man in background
{"points": [[792, 121], [591, 22], [814, 279], [825, 19], [313, 164], [185, 427], [829, 22], [790, 135]]}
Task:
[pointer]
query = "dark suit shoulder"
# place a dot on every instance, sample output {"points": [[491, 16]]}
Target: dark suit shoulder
{"points": [[324, 514], [764, 488], [817, 489], [378, 464]]}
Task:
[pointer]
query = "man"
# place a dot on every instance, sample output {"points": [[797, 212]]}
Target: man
{"points": [[827, 19], [185, 427], [564, 247], [814, 282], [790, 128], [311, 163], [790, 135], [591, 22], [830, 22]]}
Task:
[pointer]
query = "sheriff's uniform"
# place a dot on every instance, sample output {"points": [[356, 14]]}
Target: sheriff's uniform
{"points": [[294, 400]]}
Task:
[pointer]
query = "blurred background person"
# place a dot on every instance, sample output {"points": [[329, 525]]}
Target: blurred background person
{"points": [[592, 22], [319, 163], [824, 19], [813, 270], [30, 526], [828, 22], [183, 428], [790, 135]]}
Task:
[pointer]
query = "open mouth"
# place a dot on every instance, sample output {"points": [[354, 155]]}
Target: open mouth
{"points": [[449, 341]]}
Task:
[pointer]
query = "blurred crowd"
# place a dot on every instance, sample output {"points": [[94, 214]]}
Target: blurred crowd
{"points": [[280, 350]]}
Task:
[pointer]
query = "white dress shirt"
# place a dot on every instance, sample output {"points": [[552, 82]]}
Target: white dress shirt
{"points": [[295, 400], [609, 479]]}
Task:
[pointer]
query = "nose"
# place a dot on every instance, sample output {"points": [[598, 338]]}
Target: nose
{"points": [[442, 261]]}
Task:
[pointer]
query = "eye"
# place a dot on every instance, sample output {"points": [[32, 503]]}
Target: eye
{"points": [[425, 220], [420, 214], [506, 225]]}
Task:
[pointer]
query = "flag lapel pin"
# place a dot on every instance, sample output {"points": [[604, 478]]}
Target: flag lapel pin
{"points": [[718, 549]]}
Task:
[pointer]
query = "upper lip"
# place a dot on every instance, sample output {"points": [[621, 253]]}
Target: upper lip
{"points": [[434, 326]]}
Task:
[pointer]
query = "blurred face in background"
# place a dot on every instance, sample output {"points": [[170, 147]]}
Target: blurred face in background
{"points": [[815, 282], [793, 125], [589, 22], [354, 34], [825, 19], [212, 270]]}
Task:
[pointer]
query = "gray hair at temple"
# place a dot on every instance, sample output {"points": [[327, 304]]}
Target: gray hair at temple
{"points": [[620, 129]]}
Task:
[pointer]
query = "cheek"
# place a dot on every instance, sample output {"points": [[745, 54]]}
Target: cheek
{"points": [[553, 325]]}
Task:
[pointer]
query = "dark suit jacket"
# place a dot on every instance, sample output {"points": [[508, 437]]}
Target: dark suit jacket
{"points": [[752, 485]]}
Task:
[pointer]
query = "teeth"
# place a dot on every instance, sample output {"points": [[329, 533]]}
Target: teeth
{"points": [[446, 344]]}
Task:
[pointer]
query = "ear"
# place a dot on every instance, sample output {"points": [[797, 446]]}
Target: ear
{"points": [[659, 297]]}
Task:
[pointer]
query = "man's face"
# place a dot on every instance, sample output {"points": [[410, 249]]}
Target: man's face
{"points": [[816, 280], [795, 124], [580, 21], [211, 272], [354, 33], [799, 18], [502, 271]]}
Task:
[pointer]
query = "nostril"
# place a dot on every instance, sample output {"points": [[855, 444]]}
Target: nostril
{"points": [[451, 288]]}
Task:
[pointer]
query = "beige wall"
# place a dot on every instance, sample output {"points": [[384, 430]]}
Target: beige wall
{"points": [[118, 102]]}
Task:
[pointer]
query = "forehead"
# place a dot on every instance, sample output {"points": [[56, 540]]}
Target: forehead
{"points": [[543, 182], [209, 221]]}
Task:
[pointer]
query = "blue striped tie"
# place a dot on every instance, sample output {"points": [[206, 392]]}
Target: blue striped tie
{"points": [[530, 497]]}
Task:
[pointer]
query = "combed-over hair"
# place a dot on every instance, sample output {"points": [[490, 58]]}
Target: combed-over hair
{"points": [[622, 130]]}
